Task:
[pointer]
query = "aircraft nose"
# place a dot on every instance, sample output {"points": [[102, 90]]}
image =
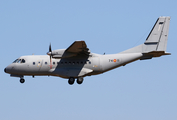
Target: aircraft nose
{"points": [[8, 69]]}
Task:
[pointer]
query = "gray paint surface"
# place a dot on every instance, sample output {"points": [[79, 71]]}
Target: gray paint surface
{"points": [[77, 61]]}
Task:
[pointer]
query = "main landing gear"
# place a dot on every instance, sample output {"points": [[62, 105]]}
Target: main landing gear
{"points": [[80, 80], [72, 80]]}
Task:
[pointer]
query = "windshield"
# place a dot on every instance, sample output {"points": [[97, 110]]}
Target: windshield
{"points": [[19, 61], [15, 61]]}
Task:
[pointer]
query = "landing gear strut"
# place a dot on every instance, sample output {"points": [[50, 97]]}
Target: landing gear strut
{"points": [[80, 80], [71, 80]]}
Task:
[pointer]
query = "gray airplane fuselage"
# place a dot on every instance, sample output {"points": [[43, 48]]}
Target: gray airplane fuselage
{"points": [[69, 67]]}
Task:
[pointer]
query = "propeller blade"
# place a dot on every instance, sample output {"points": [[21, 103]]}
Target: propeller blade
{"points": [[50, 62], [50, 49]]}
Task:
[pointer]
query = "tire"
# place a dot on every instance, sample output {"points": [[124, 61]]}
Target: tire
{"points": [[80, 80], [22, 80], [71, 80]]}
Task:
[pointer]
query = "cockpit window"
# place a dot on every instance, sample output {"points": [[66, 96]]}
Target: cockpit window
{"points": [[15, 61], [19, 61], [22, 61]]}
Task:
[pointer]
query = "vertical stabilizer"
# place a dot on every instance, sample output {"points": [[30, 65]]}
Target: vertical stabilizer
{"points": [[157, 39], [156, 42]]}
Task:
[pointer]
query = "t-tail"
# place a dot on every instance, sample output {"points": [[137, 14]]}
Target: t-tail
{"points": [[156, 42]]}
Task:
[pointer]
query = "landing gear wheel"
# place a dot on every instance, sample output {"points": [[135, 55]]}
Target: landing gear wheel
{"points": [[80, 80], [71, 80], [22, 80]]}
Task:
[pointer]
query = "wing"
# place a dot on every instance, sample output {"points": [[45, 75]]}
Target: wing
{"points": [[78, 48], [74, 72]]}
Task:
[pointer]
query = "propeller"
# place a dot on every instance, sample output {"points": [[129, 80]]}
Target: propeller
{"points": [[50, 49], [50, 53]]}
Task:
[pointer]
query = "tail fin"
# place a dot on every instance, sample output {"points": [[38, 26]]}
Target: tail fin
{"points": [[157, 39], [156, 42]]}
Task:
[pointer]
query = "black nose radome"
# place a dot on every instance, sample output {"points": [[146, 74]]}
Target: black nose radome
{"points": [[5, 70]]}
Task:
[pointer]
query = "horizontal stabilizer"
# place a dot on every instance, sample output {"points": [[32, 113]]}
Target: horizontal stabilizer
{"points": [[152, 54]]}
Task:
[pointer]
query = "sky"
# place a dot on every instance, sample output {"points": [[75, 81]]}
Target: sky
{"points": [[140, 90]]}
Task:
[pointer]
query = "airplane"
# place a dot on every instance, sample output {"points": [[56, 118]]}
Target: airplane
{"points": [[77, 62]]}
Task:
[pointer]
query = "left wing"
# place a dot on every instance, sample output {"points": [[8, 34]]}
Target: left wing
{"points": [[78, 47]]}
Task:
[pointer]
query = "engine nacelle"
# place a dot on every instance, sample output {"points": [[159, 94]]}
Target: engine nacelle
{"points": [[60, 53]]}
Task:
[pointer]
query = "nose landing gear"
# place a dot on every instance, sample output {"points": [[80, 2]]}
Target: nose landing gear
{"points": [[22, 80]]}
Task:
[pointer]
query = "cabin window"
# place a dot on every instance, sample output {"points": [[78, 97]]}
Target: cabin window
{"points": [[53, 63], [88, 62], [33, 63], [46, 63]]}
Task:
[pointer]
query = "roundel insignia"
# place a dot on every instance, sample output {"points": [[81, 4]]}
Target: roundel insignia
{"points": [[115, 60]]}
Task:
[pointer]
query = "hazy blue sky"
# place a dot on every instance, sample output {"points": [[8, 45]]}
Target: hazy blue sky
{"points": [[143, 90]]}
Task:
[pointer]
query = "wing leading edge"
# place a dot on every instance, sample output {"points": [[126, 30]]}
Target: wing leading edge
{"points": [[78, 48]]}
